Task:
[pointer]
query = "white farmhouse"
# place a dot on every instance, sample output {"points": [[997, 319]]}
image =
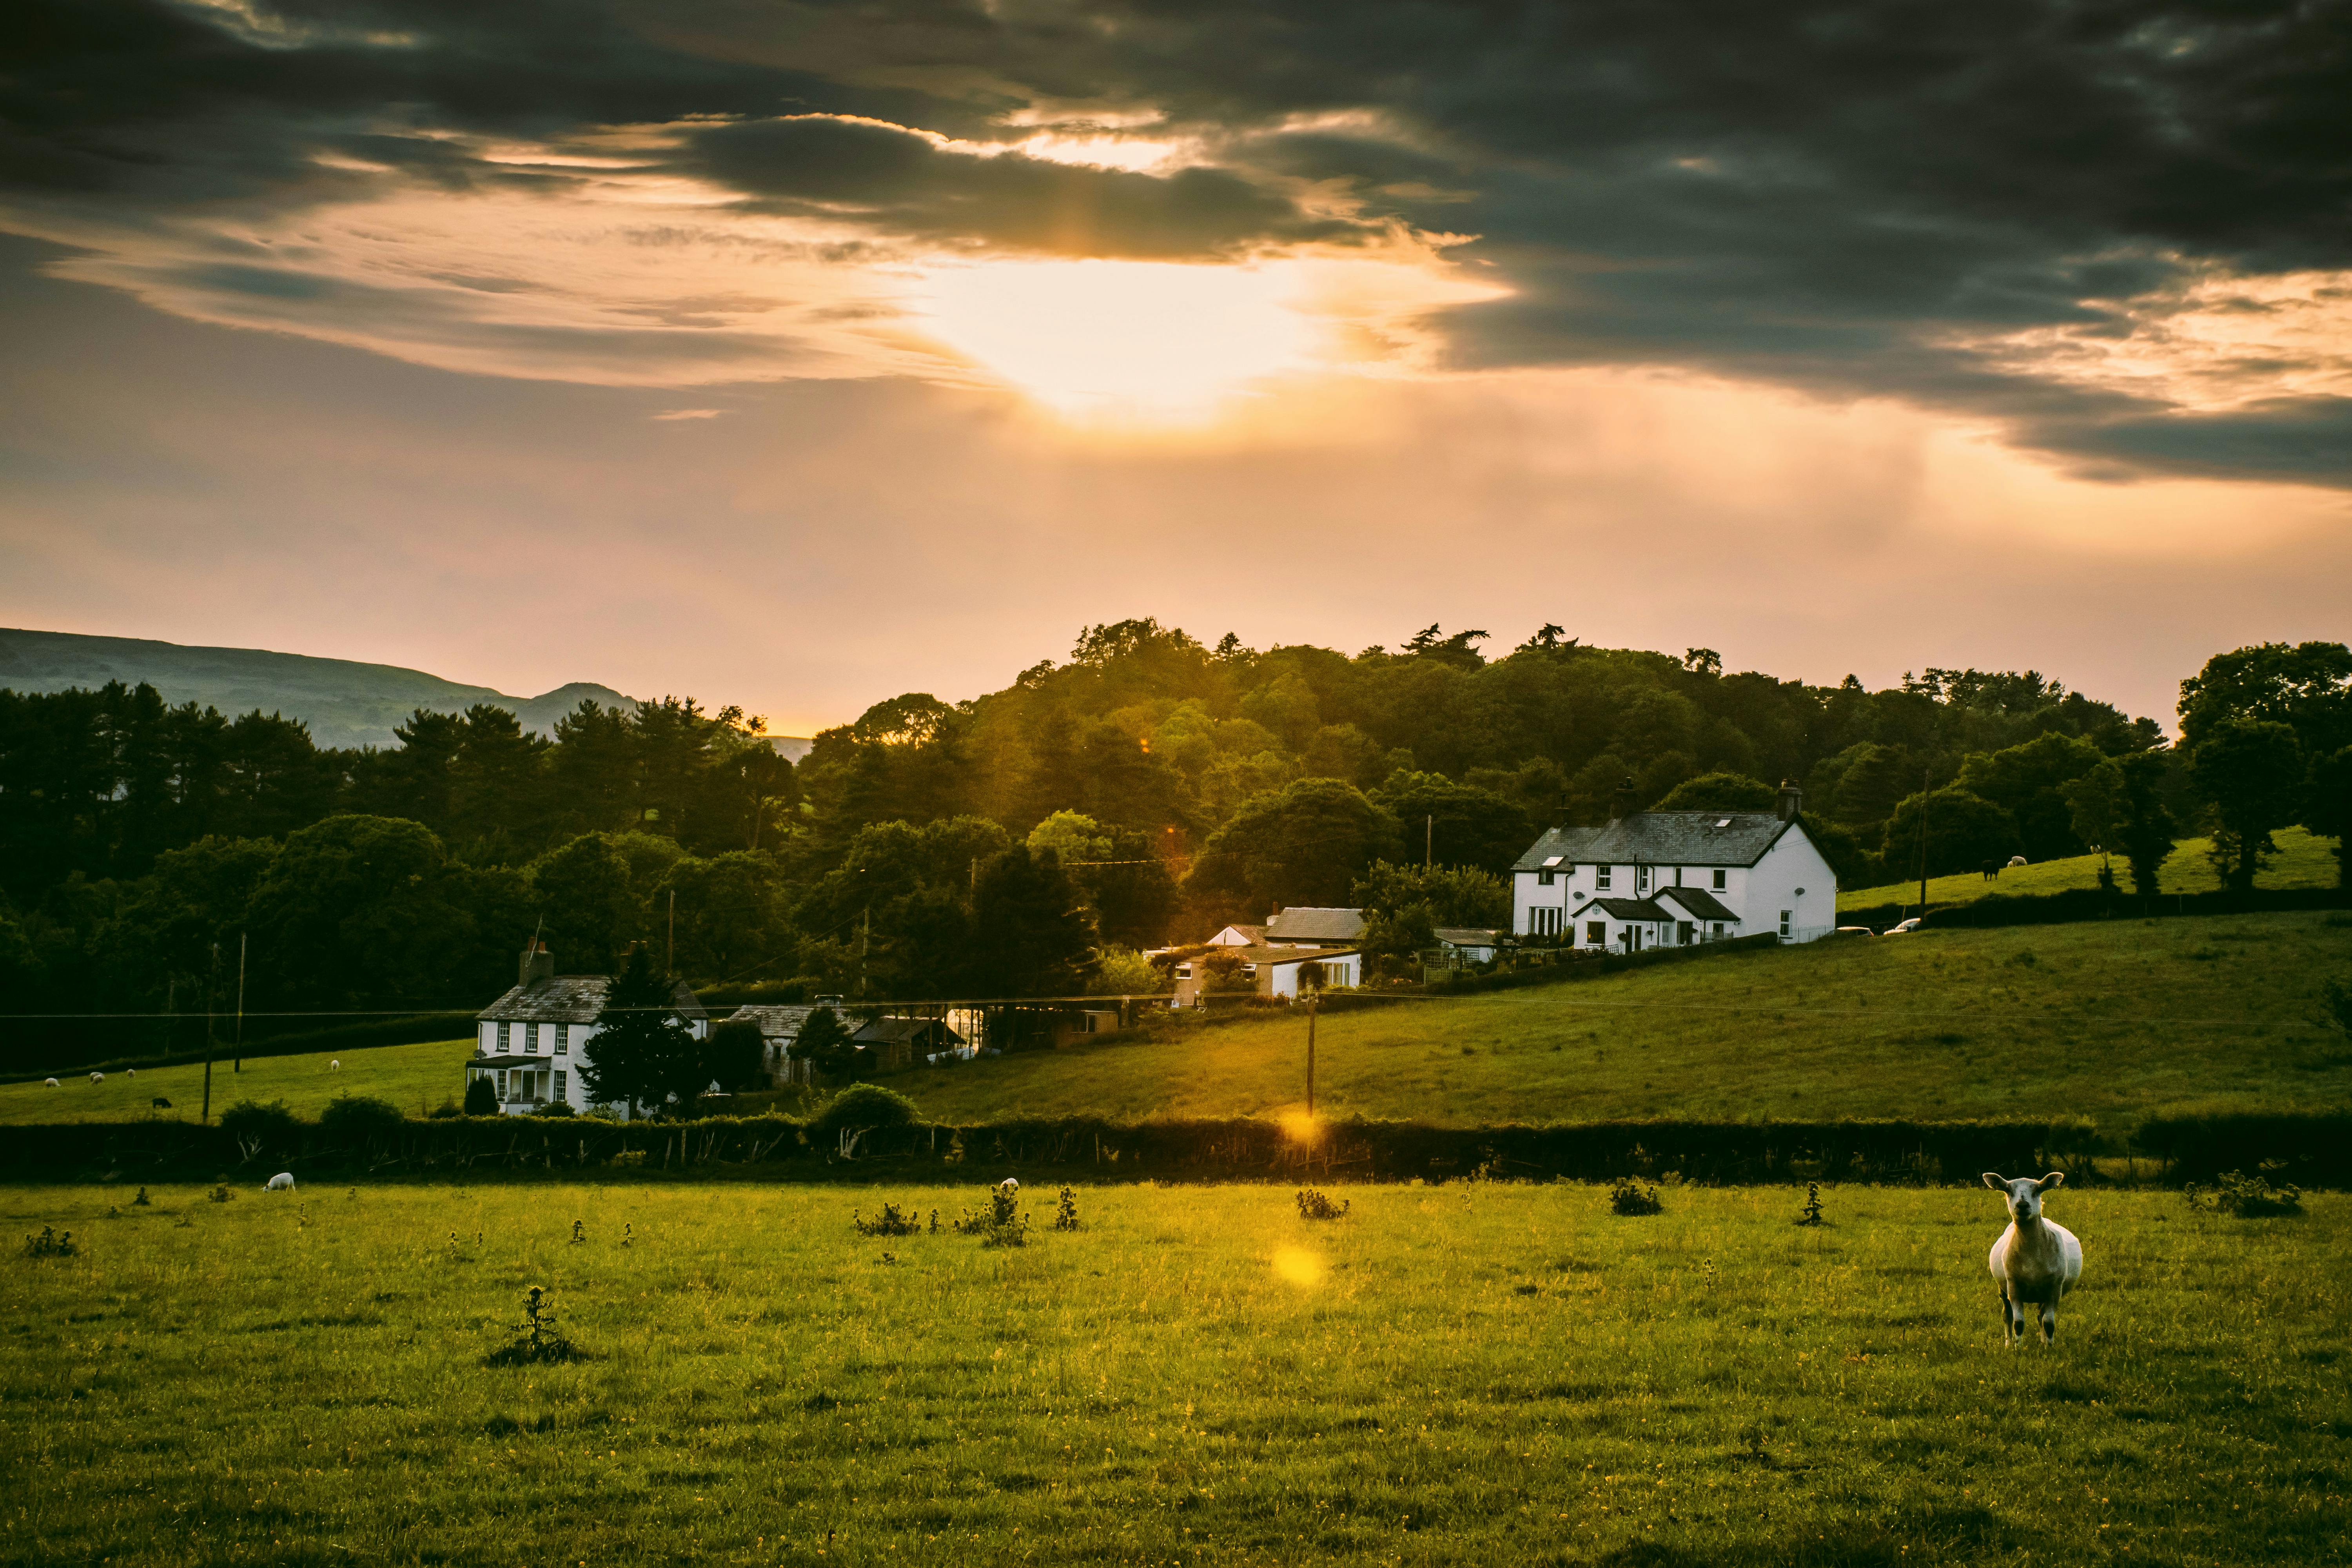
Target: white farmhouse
{"points": [[1668, 879], [534, 1041]]}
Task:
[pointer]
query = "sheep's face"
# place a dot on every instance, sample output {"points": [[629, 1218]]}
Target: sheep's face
{"points": [[2024, 1194]]}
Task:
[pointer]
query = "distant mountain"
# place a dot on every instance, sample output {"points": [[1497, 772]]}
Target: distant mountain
{"points": [[345, 703]]}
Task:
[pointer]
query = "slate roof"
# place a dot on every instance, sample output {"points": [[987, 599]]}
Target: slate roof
{"points": [[893, 1031], [1285, 954], [776, 1023], [1464, 936], [1662, 839], [1700, 902], [572, 999], [1309, 923]]}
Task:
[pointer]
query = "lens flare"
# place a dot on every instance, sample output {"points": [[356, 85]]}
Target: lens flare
{"points": [[1300, 1267]]}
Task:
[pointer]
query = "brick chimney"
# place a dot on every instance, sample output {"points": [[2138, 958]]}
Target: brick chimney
{"points": [[1792, 800], [538, 964]]}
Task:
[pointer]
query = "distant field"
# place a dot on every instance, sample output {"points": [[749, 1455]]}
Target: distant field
{"points": [[1475, 1374], [2114, 1020], [415, 1077], [2303, 861]]}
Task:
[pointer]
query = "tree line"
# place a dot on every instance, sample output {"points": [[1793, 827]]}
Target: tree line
{"points": [[1031, 841]]}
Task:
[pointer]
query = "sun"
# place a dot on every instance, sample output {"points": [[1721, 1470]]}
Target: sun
{"points": [[1150, 341]]}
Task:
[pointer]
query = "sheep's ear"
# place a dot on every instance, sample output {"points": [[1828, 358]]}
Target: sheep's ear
{"points": [[2055, 1178], [1995, 1183]]}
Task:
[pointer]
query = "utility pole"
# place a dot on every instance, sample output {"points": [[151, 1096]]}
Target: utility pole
{"points": [[1927, 775], [1312, 993], [865, 943], [239, 1061], [206, 1114], [670, 952]]}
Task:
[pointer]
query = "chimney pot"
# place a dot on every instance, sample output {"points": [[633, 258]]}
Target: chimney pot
{"points": [[1792, 800], [538, 964]]}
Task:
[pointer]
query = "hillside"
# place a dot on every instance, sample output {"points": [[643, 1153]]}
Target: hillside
{"points": [[2303, 861], [2111, 1020], [415, 1077], [345, 703]]}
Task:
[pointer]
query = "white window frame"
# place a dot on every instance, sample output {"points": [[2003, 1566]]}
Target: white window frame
{"points": [[1785, 916], [531, 1038], [1720, 877], [562, 1039], [503, 1027], [1600, 878], [562, 1090]]}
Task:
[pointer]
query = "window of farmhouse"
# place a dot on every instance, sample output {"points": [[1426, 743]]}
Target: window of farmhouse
{"points": [[503, 1035]]}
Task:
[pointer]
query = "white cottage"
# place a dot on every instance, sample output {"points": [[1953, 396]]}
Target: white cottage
{"points": [[533, 1041], [1668, 879]]}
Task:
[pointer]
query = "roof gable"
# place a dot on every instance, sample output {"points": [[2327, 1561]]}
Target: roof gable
{"points": [[1314, 924], [1662, 838], [572, 999]]}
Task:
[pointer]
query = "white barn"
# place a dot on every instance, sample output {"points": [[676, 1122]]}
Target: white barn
{"points": [[532, 1042], [1669, 878]]}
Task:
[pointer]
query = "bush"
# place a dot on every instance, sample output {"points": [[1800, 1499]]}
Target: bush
{"points": [[555, 1108], [481, 1095], [1313, 1204], [445, 1110], [359, 1118], [860, 1106], [891, 1221], [1628, 1196], [264, 1127], [2247, 1197]]}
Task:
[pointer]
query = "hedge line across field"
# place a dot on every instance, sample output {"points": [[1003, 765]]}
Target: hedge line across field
{"points": [[2314, 1151], [2091, 904]]}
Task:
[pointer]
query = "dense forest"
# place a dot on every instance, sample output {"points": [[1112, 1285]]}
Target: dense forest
{"points": [[1027, 842]]}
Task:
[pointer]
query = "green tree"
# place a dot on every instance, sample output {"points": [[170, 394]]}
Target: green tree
{"points": [[1123, 972], [2144, 831], [1302, 844], [735, 1056], [1720, 791], [1964, 831], [482, 1095], [2327, 807], [363, 911], [1458, 824], [2029, 783], [642, 1052], [1395, 940], [1453, 895], [2251, 772], [2307, 687], [1030, 932], [824, 1041], [583, 893]]}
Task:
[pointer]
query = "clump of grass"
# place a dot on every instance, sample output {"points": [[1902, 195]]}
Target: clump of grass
{"points": [[2257, 1196], [221, 1193], [1628, 1196], [1313, 1204], [1001, 1224], [51, 1243], [537, 1339], [891, 1221], [1066, 1213], [579, 1232], [142, 1200]]}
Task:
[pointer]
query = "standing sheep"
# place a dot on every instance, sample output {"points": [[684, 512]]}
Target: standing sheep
{"points": [[50, 1082], [2034, 1260], [283, 1182], [333, 1066]]}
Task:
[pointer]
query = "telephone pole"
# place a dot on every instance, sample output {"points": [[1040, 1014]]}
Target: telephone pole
{"points": [[206, 1114], [1927, 775], [238, 1060], [1428, 841], [669, 949], [1312, 993]]}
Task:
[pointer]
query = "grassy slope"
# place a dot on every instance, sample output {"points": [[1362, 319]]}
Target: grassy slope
{"points": [[2303, 861], [415, 1077], [1473, 1374], [2113, 1020]]}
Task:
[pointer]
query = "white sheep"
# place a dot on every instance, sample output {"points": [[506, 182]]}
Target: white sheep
{"points": [[2017, 860], [98, 1078], [50, 1082], [1008, 1185], [130, 1072], [283, 1182], [333, 1066], [2034, 1260]]}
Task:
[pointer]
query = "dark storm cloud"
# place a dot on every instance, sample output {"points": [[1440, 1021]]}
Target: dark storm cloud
{"points": [[908, 185], [1857, 198]]}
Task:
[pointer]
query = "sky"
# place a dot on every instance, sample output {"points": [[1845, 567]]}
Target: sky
{"points": [[797, 355]]}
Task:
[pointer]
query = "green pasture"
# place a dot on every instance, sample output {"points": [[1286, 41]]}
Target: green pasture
{"points": [[2303, 861], [1471, 1373], [2111, 1019], [415, 1077]]}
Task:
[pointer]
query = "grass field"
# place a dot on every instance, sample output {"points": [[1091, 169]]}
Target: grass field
{"points": [[1468, 1374], [2303, 861], [2115, 1020], [415, 1077]]}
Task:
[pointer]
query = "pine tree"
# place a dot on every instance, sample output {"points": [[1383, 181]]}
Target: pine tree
{"points": [[642, 1051]]}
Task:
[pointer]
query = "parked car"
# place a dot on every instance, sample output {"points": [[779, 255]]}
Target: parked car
{"points": [[1905, 928], [1853, 930]]}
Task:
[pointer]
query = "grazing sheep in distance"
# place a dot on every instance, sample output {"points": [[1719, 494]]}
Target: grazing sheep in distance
{"points": [[159, 1104], [2017, 860], [283, 1182], [98, 1078], [2034, 1260], [51, 1082], [1008, 1185], [333, 1066]]}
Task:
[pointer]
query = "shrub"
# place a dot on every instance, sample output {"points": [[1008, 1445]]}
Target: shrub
{"points": [[889, 1222], [537, 1339], [358, 1119], [555, 1108], [998, 1224], [2247, 1197], [481, 1095], [1066, 1213], [259, 1128], [445, 1110], [1628, 1196], [49, 1244], [863, 1105], [1313, 1204]]}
